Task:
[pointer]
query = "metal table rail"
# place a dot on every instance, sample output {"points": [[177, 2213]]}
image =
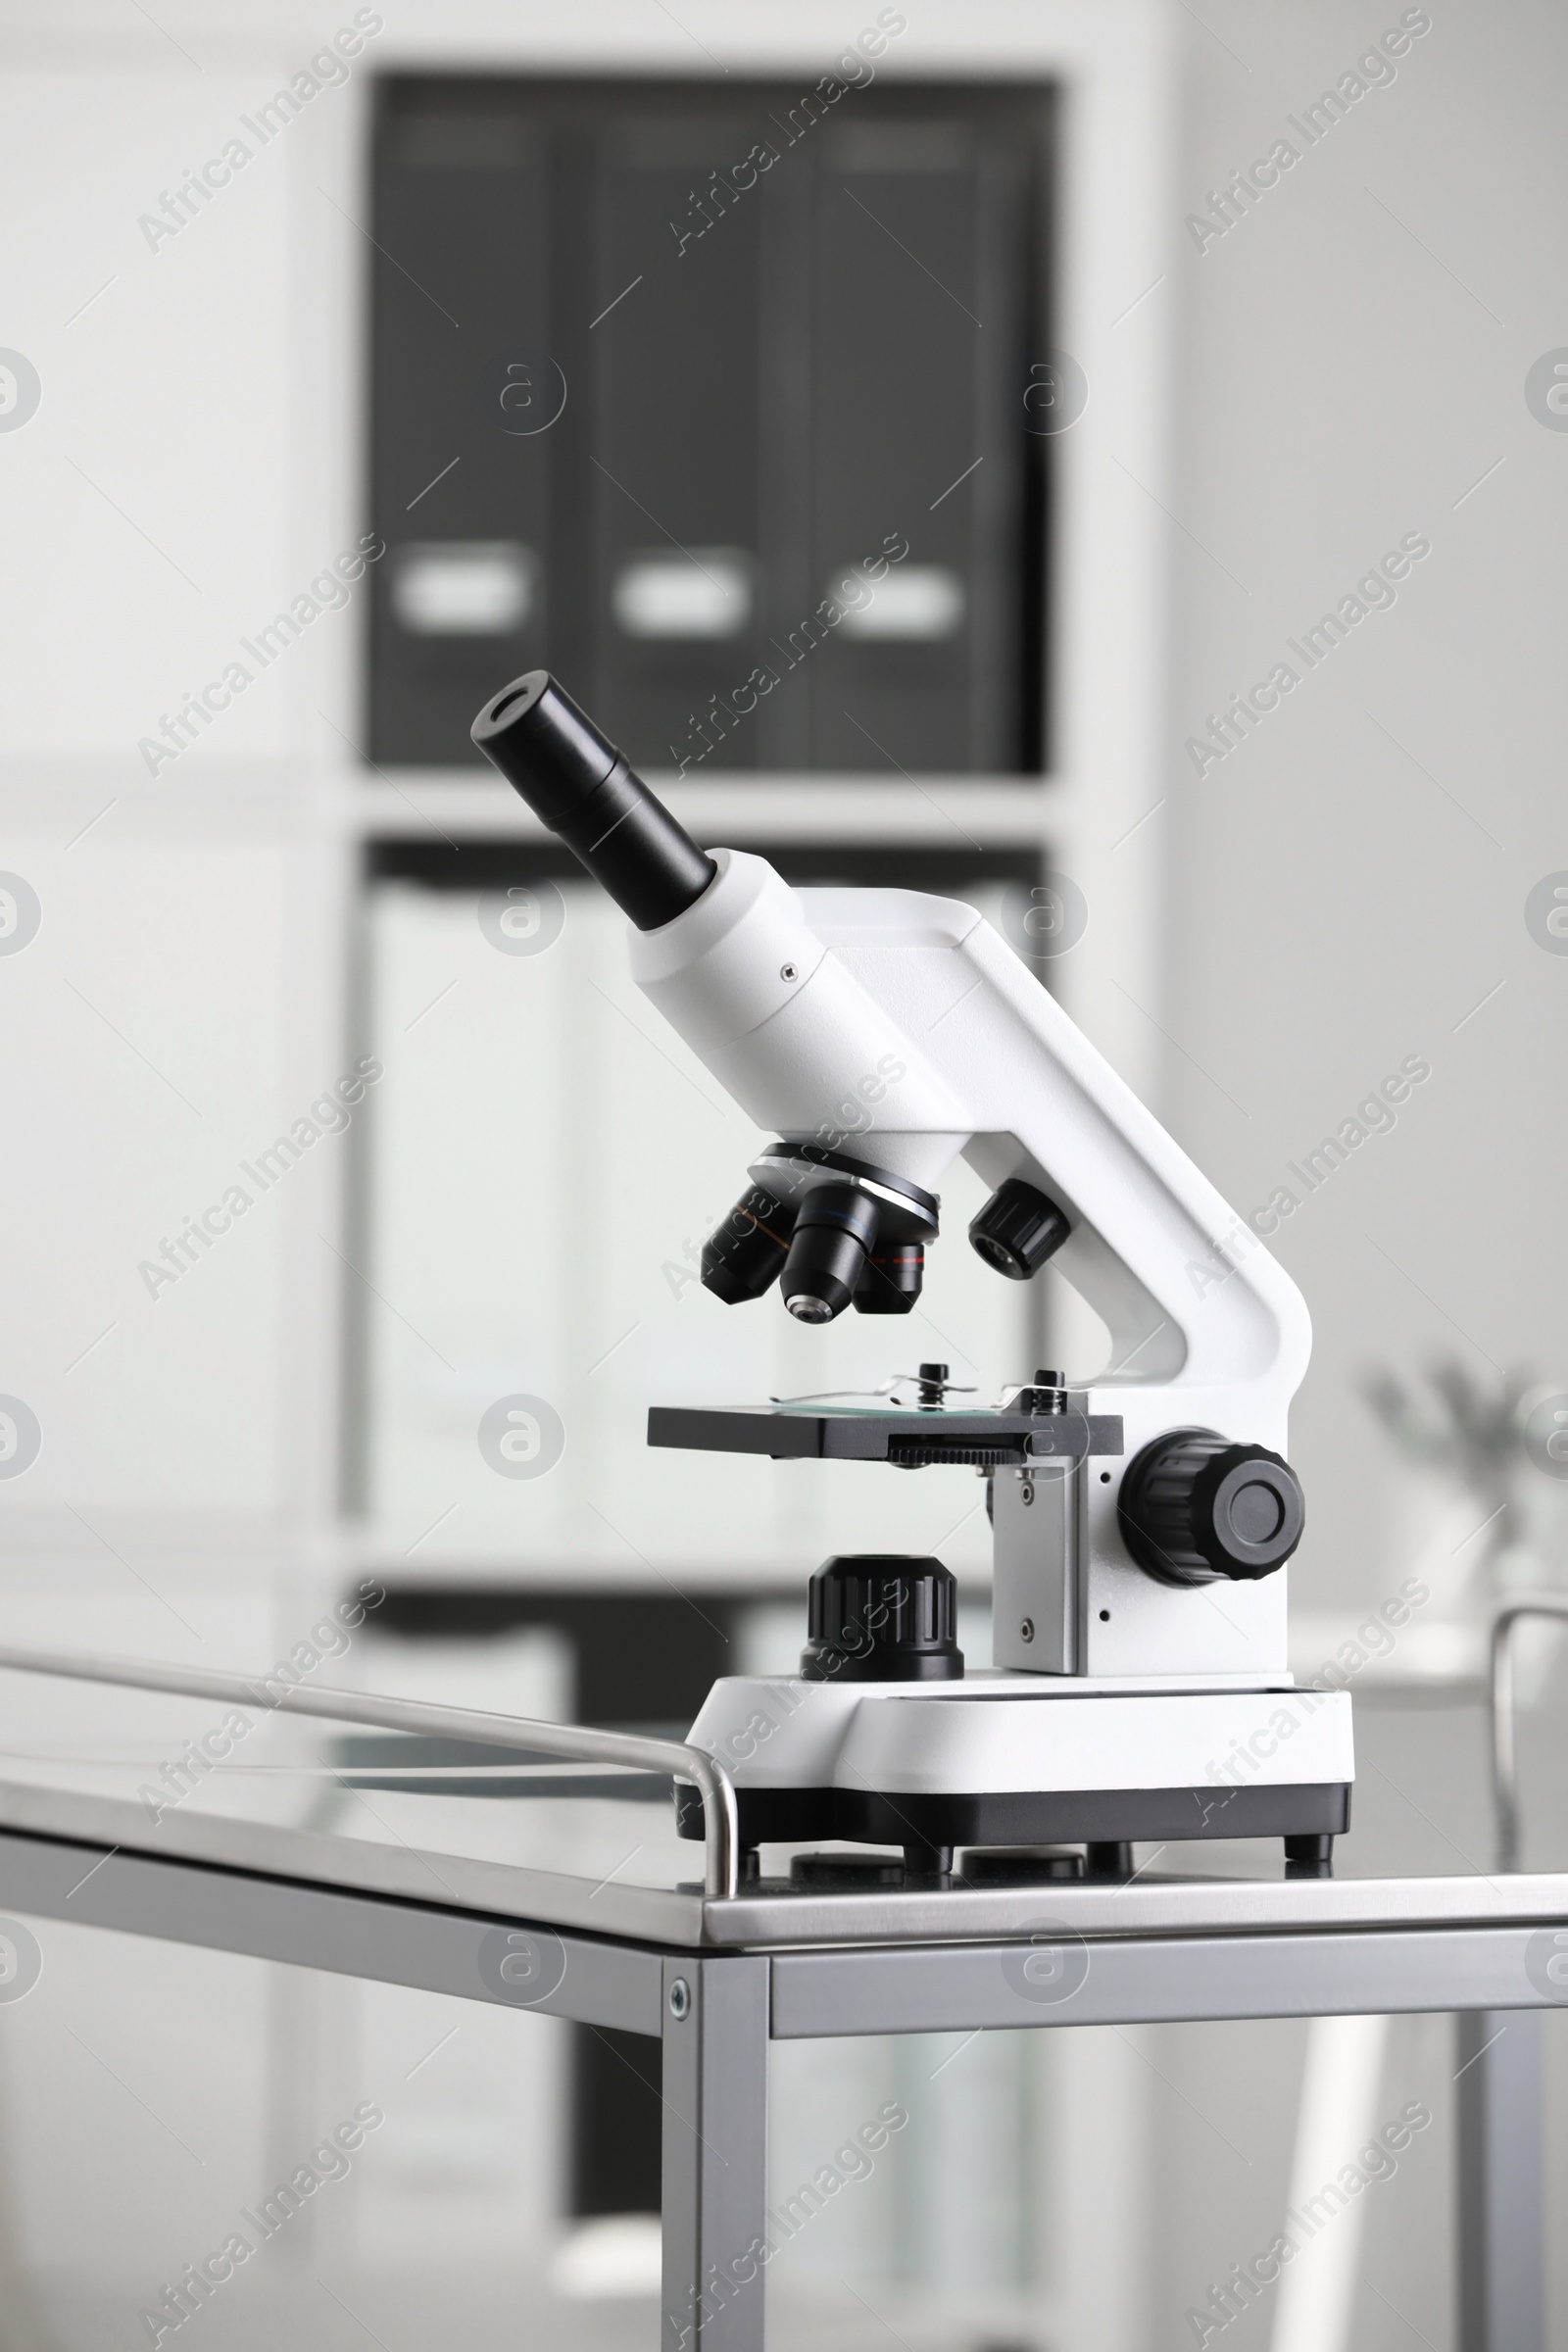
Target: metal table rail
{"points": [[1504, 1758], [572, 1740]]}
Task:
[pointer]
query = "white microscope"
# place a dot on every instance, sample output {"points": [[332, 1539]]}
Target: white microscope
{"points": [[1141, 1523]]}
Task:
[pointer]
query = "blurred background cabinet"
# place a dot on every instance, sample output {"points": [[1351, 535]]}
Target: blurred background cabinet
{"points": [[661, 369]]}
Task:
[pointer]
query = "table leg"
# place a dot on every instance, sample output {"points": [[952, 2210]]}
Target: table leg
{"points": [[715, 2045], [1498, 2173]]}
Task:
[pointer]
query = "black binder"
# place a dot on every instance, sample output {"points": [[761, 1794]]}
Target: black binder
{"points": [[712, 398]]}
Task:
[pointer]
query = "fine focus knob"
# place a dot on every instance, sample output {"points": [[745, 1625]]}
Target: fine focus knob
{"points": [[1195, 1506], [1018, 1228], [881, 1617]]}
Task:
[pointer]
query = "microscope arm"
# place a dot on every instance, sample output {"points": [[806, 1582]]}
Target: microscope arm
{"points": [[902, 1031]]}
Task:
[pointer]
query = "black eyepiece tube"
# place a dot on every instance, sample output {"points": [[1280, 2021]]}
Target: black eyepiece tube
{"points": [[584, 791]]}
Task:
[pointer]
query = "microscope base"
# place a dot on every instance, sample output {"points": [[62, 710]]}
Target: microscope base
{"points": [[1027, 1760], [1029, 1817]]}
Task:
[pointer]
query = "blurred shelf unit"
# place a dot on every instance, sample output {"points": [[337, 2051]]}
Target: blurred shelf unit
{"points": [[482, 868], [648, 373], [720, 399]]}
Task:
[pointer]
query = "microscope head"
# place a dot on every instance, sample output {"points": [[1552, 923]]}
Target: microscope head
{"points": [[881, 1035], [822, 1216]]}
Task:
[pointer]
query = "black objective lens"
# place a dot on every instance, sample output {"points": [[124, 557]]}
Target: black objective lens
{"points": [[891, 1283], [743, 1257], [584, 790], [834, 1234]]}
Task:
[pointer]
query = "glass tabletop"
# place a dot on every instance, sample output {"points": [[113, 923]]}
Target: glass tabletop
{"points": [[438, 1819]]}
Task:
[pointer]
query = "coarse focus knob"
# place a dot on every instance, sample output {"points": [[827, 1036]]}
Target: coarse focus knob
{"points": [[882, 1617], [1195, 1506]]}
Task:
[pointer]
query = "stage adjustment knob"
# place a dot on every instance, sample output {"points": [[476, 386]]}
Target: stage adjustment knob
{"points": [[1195, 1506]]}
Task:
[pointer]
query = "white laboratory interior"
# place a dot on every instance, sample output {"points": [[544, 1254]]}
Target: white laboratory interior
{"points": [[574, 581]]}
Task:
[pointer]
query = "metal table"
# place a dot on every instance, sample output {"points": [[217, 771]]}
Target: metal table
{"points": [[128, 1822]]}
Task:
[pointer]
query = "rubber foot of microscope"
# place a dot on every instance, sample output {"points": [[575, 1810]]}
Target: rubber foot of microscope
{"points": [[1108, 1858], [1019, 1865], [932, 1864], [1309, 1857], [845, 1873]]}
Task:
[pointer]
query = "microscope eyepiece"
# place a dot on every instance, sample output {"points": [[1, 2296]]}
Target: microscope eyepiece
{"points": [[579, 784]]}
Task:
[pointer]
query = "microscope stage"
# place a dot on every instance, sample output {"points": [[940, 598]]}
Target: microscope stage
{"points": [[908, 1439]]}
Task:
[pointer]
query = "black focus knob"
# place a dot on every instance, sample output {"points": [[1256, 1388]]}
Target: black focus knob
{"points": [[1195, 1506], [1018, 1228], [881, 1617]]}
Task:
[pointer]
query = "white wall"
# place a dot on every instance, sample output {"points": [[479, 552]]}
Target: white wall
{"points": [[1339, 902], [1331, 908]]}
